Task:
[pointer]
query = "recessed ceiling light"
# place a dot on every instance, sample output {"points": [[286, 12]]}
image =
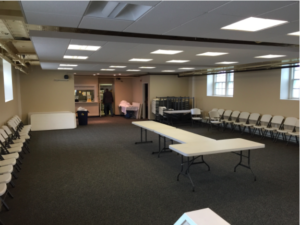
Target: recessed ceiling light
{"points": [[166, 52], [212, 54], [186, 68], [226, 62], [117, 66], [295, 33], [119, 74], [60, 68], [168, 71], [133, 70], [269, 56], [67, 65], [108, 69], [147, 67], [75, 57], [140, 60], [253, 24], [84, 47], [74, 73], [177, 61]]}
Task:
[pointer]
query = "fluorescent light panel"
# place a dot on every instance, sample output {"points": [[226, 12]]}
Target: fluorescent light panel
{"points": [[295, 33], [168, 71], [60, 68], [212, 53], [74, 57], [226, 62], [270, 56], [166, 52], [253, 24], [84, 47], [133, 70], [117, 66], [186, 68], [140, 60], [177, 61], [67, 65], [147, 67], [107, 69]]}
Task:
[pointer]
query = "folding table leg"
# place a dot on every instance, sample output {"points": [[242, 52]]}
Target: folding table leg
{"points": [[143, 142], [241, 162]]}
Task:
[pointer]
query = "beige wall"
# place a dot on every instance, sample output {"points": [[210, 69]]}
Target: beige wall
{"points": [[253, 92], [11, 108], [123, 91], [40, 93], [166, 85]]}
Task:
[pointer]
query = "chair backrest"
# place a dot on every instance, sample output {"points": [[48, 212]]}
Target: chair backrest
{"points": [[277, 121], [2, 139], [2, 132], [227, 114], [214, 115], [7, 130], [161, 110], [235, 115], [265, 120], [244, 117], [297, 126], [290, 123], [214, 109], [221, 112], [195, 111], [254, 118]]}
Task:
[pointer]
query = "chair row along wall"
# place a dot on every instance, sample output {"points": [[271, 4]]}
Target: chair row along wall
{"points": [[38, 92]]}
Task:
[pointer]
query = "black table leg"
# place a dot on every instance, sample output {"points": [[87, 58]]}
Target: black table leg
{"points": [[188, 163], [143, 142], [241, 162], [164, 149]]}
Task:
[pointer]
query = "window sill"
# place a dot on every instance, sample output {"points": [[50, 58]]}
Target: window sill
{"points": [[222, 96]]}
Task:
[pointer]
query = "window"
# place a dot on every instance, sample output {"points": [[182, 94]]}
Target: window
{"points": [[7, 77], [290, 83], [294, 83], [220, 84]]}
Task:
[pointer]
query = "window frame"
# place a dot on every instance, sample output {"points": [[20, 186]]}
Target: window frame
{"points": [[227, 81], [291, 82]]}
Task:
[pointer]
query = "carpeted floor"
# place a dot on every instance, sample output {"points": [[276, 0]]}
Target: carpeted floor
{"points": [[95, 174]]}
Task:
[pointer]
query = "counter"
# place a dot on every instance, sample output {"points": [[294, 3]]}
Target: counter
{"points": [[92, 107]]}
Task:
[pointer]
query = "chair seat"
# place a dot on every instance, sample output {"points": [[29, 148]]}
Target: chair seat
{"points": [[24, 136], [216, 122], [5, 178], [271, 128], [239, 123], [6, 169], [259, 127], [16, 145], [11, 156], [248, 125], [3, 188], [196, 118], [293, 133], [7, 162], [21, 140], [284, 131], [12, 150]]}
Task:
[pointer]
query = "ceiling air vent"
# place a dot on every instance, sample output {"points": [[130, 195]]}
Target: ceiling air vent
{"points": [[117, 10]]}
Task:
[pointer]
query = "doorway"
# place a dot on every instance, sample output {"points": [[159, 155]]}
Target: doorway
{"points": [[146, 100], [102, 88]]}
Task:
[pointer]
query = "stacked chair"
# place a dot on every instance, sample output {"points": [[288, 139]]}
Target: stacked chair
{"points": [[14, 144], [196, 115]]}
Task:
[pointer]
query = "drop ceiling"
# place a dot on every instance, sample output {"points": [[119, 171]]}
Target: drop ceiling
{"points": [[201, 19]]}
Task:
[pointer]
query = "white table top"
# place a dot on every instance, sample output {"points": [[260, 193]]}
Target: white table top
{"points": [[183, 136], [202, 217], [221, 146], [177, 111], [152, 125]]}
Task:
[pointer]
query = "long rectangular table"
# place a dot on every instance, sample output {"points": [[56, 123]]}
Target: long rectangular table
{"points": [[193, 151], [173, 112]]}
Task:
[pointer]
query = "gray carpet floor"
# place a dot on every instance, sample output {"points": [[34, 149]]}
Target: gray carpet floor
{"points": [[95, 174]]}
